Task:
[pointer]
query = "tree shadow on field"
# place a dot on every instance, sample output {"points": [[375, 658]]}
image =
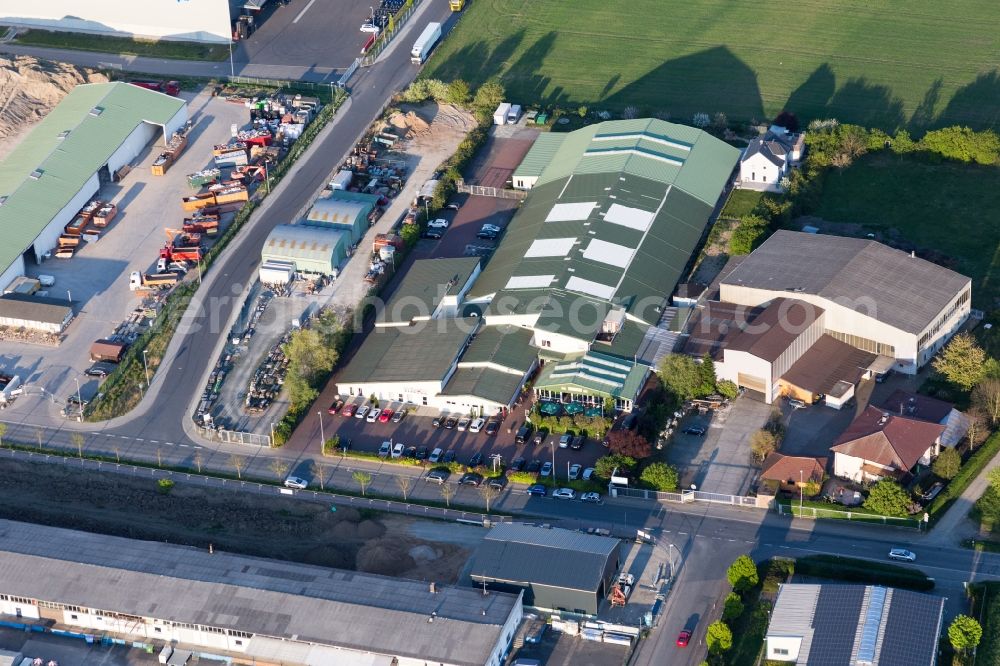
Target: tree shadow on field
{"points": [[529, 85], [810, 99], [976, 105], [476, 62], [923, 116], [709, 81], [857, 101]]}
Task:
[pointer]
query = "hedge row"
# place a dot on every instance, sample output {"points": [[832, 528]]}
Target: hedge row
{"points": [[988, 596], [863, 571], [972, 468]]}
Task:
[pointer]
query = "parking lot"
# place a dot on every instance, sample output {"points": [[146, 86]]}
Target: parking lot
{"points": [[557, 649], [96, 277]]}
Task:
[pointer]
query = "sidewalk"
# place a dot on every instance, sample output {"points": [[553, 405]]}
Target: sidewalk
{"points": [[955, 526]]}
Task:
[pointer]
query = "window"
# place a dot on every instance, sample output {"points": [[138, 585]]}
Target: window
{"points": [[865, 344], [73, 616], [158, 630], [781, 651]]}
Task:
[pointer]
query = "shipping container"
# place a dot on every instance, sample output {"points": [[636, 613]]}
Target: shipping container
{"points": [[500, 115]]}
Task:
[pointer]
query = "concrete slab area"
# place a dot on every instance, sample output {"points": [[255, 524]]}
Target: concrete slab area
{"points": [[72, 651], [97, 276], [563, 650]]}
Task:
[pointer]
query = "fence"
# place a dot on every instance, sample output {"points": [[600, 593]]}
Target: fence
{"points": [[383, 40], [348, 73], [495, 192], [284, 83], [235, 437], [793, 509], [687, 496]]}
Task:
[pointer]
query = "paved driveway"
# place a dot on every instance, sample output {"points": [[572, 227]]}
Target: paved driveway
{"points": [[719, 461]]}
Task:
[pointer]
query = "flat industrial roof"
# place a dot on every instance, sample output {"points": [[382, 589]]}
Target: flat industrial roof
{"points": [[421, 353], [35, 308], [353, 610], [827, 362], [486, 383], [50, 166], [426, 284]]}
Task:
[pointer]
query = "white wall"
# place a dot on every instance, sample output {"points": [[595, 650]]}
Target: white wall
{"points": [[524, 182], [49, 238], [15, 270], [736, 362], [133, 144], [12, 607], [559, 343], [188, 20], [783, 648], [414, 392], [175, 123]]}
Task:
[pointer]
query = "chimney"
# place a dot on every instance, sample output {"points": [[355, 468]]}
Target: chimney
{"points": [[913, 254], [433, 588]]}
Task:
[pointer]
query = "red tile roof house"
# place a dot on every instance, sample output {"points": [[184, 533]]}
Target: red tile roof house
{"points": [[879, 444], [790, 471]]}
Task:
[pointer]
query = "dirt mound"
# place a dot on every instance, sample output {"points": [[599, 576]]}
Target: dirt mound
{"points": [[369, 529], [384, 556], [411, 122], [29, 88], [424, 554]]}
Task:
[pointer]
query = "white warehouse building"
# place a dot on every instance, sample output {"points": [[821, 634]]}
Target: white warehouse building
{"points": [[81, 144], [872, 297]]}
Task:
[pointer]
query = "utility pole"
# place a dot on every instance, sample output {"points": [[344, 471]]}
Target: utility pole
{"points": [[79, 399], [801, 492], [232, 68], [145, 366], [322, 437]]}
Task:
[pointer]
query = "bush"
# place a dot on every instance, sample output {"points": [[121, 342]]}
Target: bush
{"points": [[165, 485], [751, 231], [742, 574], [732, 607], [969, 471], [718, 637], [660, 476], [727, 389], [852, 570], [963, 144], [988, 653], [629, 443], [947, 463], [888, 498], [523, 477], [607, 464]]}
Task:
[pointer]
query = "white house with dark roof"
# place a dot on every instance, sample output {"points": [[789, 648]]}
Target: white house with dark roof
{"points": [[769, 158]]}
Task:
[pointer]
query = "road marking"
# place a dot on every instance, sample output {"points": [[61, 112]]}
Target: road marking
{"points": [[153, 441], [184, 445], [139, 439], [304, 10]]}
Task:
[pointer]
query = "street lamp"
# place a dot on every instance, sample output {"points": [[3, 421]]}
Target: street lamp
{"points": [[322, 437], [801, 491], [272, 434], [79, 398], [145, 365], [232, 68]]}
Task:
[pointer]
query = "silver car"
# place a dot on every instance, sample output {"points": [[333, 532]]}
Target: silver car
{"points": [[296, 482], [902, 554]]}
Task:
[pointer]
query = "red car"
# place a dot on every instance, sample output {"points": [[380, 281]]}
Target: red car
{"points": [[385, 416], [335, 407], [349, 410], [683, 638]]}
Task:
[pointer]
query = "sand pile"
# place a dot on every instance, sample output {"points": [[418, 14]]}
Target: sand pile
{"points": [[411, 124]]}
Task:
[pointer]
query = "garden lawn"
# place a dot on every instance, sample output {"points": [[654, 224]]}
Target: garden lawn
{"points": [[871, 63], [741, 203], [948, 208]]}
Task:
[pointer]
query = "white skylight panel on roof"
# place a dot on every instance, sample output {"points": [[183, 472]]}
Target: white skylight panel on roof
{"points": [[529, 281], [633, 218], [571, 212], [589, 287], [550, 247], [608, 253]]}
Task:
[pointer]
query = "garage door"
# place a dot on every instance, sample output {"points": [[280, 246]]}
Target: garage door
{"points": [[751, 382]]}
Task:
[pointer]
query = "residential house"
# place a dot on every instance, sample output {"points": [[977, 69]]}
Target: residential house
{"points": [[790, 473], [879, 444], [770, 158], [932, 410]]}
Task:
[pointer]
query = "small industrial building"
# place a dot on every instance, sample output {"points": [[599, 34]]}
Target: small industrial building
{"points": [[491, 372], [97, 129], [835, 624], [541, 153], [553, 568], [430, 289], [244, 609], [591, 379], [343, 211], [883, 301], [312, 250], [49, 315], [879, 445]]}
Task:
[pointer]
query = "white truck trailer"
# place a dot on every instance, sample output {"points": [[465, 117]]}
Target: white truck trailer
{"points": [[422, 47]]}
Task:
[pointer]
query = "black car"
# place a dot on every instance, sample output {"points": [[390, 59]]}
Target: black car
{"points": [[422, 453], [99, 370], [476, 460], [577, 443], [450, 423], [523, 433], [517, 464], [498, 482], [538, 490], [533, 466], [434, 234], [492, 426], [438, 420], [471, 479], [695, 430], [448, 457], [410, 452]]}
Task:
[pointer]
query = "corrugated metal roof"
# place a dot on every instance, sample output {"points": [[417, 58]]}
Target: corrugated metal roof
{"points": [[485, 383], [423, 352], [425, 284], [541, 153], [281, 599], [594, 373], [504, 346], [99, 117], [297, 242], [338, 211], [35, 308]]}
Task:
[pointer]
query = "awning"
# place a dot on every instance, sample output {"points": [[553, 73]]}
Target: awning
{"points": [[427, 191]]}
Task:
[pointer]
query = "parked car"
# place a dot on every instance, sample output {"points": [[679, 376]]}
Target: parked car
{"points": [[588, 474], [434, 234], [348, 409], [410, 452], [477, 425], [449, 457], [334, 408], [102, 370], [370, 27], [795, 403], [539, 438], [463, 423], [932, 492], [397, 450], [453, 205], [565, 440], [438, 475], [398, 415], [577, 442], [439, 420], [574, 471], [533, 467], [683, 638], [422, 453], [439, 223], [497, 482], [902, 554], [523, 433], [517, 464], [546, 470], [450, 423], [385, 416], [296, 482], [471, 479], [361, 412], [564, 493], [591, 497], [476, 460], [492, 427], [695, 430], [435, 455], [373, 415], [538, 490], [385, 450]]}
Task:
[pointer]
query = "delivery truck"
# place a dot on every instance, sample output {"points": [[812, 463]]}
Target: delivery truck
{"points": [[425, 43]]}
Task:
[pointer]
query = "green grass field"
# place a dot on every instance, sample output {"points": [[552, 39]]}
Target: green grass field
{"points": [[138, 47], [949, 208], [873, 62]]}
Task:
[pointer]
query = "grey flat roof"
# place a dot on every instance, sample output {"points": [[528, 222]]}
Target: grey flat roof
{"points": [[182, 584], [425, 284], [422, 352], [546, 556], [35, 308], [863, 275], [486, 383], [505, 346]]}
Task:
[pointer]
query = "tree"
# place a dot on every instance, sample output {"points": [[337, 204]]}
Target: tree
{"points": [[748, 234], [732, 607], [239, 464], [660, 476], [363, 479], [727, 389], [888, 499], [118, 454], [961, 361], [719, 637], [197, 459], [410, 234], [489, 95], [77, 439], [404, 483], [39, 434], [458, 93], [947, 463], [488, 493], [762, 444], [310, 357], [964, 633], [994, 477], [319, 471], [707, 372], [986, 399], [279, 467], [331, 446], [742, 574], [629, 443], [447, 492], [606, 465], [681, 376], [3, 431], [977, 432]]}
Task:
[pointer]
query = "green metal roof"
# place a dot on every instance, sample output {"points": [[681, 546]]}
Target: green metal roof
{"points": [[504, 346], [425, 284], [541, 153], [486, 383], [65, 163], [626, 342], [594, 374], [423, 352]]}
